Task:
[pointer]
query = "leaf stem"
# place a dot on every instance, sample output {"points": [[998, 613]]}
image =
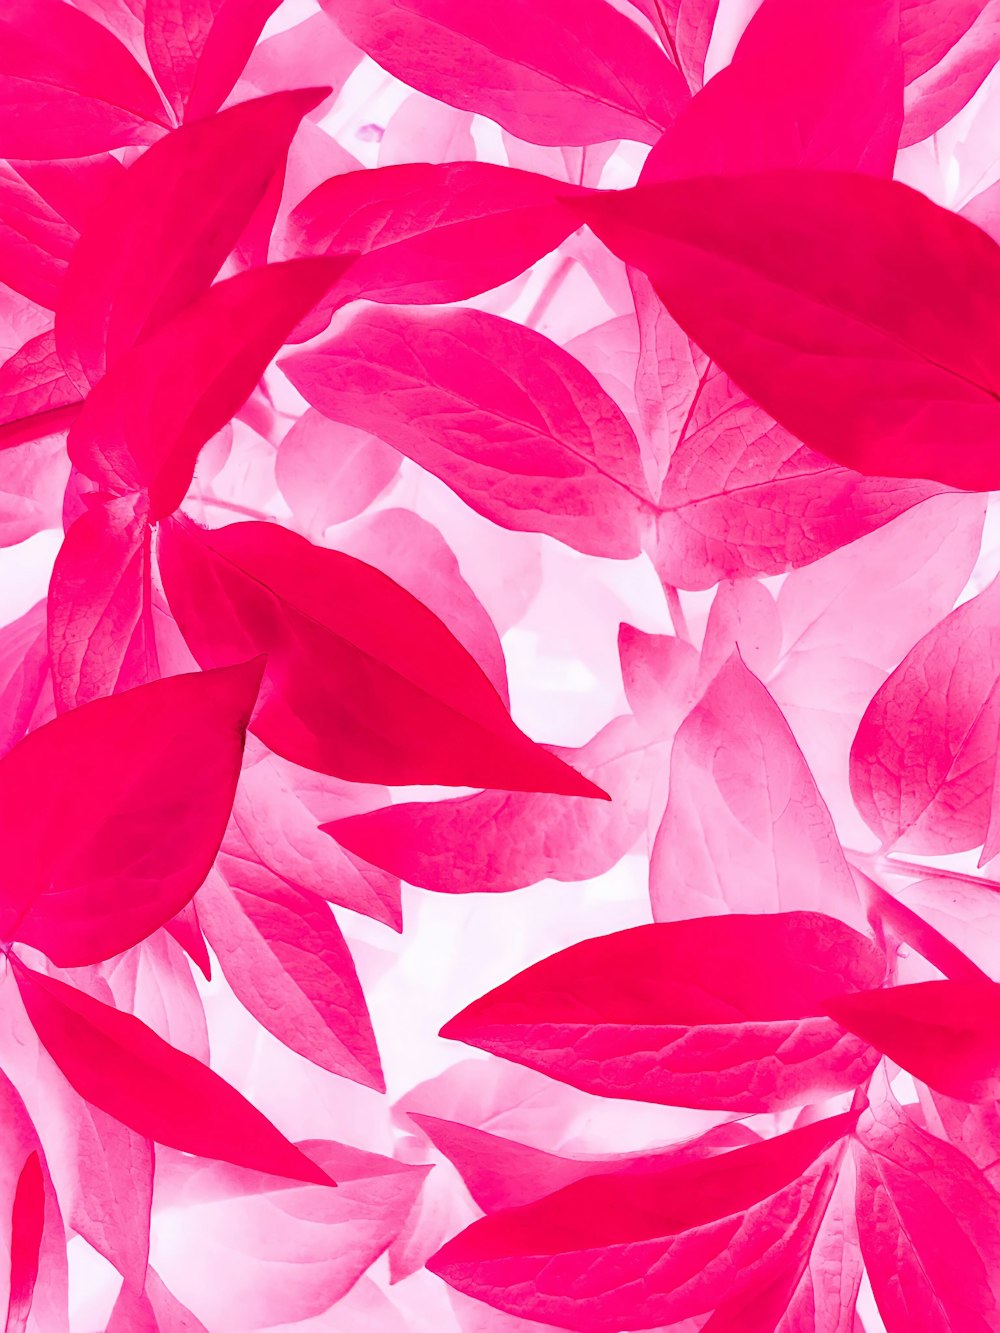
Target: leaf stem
{"points": [[232, 507], [677, 615], [548, 292], [904, 867]]}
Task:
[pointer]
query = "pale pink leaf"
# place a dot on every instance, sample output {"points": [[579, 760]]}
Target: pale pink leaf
{"points": [[330, 473], [949, 49]]}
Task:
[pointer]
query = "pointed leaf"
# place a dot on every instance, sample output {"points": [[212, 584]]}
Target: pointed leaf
{"points": [[946, 1033], [723, 1013], [123, 1068], [27, 1226], [111, 816], [67, 86], [853, 310], [163, 233], [686, 29], [144, 424], [287, 962], [948, 51], [507, 419], [550, 72], [647, 1249], [363, 682]]}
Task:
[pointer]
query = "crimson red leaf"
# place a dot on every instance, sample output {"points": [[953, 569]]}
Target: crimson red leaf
{"points": [[363, 682], [27, 1225], [923, 762], [287, 962], [143, 426], [550, 71], [198, 48], [620, 1251], [493, 842], [111, 816], [853, 310], [125, 1069], [163, 233], [68, 88], [506, 418], [720, 1012], [431, 232], [946, 1033], [100, 629], [929, 1225]]}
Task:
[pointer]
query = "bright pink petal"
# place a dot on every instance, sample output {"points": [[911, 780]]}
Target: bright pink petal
{"points": [[111, 815], [123, 1068], [551, 72], [363, 682], [508, 420]]}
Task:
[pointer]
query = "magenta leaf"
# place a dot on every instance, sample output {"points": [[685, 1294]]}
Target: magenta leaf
{"points": [[27, 1227], [163, 232], [24, 666], [650, 1248], [68, 88], [685, 26], [724, 1013], [945, 1033], [111, 815], [121, 1066], [928, 1224], [283, 954], [948, 50], [923, 761], [363, 682], [507, 419], [37, 398], [853, 310], [143, 426], [551, 72], [198, 48], [745, 828]]}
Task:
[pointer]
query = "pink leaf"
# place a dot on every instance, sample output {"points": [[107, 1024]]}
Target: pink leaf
{"points": [[151, 1310], [123, 1068], [111, 815], [551, 72], [164, 231], [945, 1033], [817, 85], [198, 48], [853, 310], [314, 49], [723, 1013], [686, 29], [24, 666], [243, 1253], [646, 1249], [329, 474], [928, 1224], [36, 396], [431, 233], [33, 479], [904, 923], [144, 424], [949, 49], [287, 962], [493, 842], [27, 1227], [745, 827], [68, 88], [503, 416], [924, 758], [363, 682], [101, 637]]}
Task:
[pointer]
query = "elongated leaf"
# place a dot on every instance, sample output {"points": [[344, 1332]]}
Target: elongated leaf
{"points": [[552, 72], [123, 1068], [685, 26], [946, 1033], [363, 681], [198, 48], [745, 828], [143, 426], [507, 419], [948, 50], [923, 762], [27, 1226], [101, 637], [928, 1225], [646, 1249], [716, 1012], [431, 232], [111, 816], [853, 310], [284, 956], [163, 233], [68, 88], [24, 666]]}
